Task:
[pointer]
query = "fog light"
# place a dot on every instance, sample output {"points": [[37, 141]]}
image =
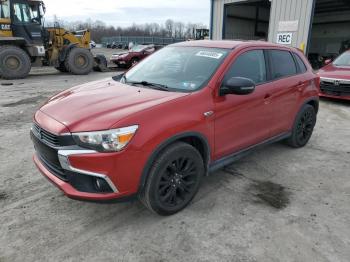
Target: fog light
{"points": [[101, 185]]}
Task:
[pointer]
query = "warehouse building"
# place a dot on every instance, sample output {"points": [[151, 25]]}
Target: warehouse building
{"points": [[319, 27]]}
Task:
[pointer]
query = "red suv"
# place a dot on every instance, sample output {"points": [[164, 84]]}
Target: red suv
{"points": [[178, 115], [335, 78]]}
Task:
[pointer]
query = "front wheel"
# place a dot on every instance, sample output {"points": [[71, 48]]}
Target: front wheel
{"points": [[174, 179], [303, 127], [134, 62], [14, 62]]}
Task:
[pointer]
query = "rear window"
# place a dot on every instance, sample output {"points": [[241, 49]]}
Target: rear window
{"points": [[283, 64], [301, 66]]}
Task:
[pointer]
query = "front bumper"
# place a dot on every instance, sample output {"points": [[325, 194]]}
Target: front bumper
{"points": [[76, 171], [67, 188], [335, 88]]}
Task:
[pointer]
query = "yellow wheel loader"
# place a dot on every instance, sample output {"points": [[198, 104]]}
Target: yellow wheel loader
{"points": [[25, 42]]}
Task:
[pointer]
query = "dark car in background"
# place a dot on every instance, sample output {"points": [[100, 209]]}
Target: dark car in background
{"points": [[135, 55], [335, 78]]}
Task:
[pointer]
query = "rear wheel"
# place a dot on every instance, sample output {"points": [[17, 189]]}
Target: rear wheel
{"points": [[14, 62], [79, 61], [303, 127], [174, 179]]}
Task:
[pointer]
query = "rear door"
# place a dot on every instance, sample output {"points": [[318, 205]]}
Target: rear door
{"points": [[285, 84], [241, 120]]}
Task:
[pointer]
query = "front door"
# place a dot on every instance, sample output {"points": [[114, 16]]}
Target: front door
{"points": [[241, 120]]}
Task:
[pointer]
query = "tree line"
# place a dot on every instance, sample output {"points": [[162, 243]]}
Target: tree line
{"points": [[99, 29]]}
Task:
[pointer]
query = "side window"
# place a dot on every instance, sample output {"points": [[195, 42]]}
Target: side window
{"points": [[249, 65], [283, 64], [300, 63], [4, 10], [22, 13]]}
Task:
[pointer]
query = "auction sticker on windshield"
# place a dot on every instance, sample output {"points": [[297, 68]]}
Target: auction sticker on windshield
{"points": [[210, 54]]}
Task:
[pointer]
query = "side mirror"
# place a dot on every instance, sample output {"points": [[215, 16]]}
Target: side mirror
{"points": [[237, 86], [118, 77], [327, 61]]}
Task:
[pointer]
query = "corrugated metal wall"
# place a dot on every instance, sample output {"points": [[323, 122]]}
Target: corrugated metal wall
{"points": [[291, 10], [281, 10]]}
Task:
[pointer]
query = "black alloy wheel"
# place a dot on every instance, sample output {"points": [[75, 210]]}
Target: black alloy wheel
{"points": [[174, 179], [303, 127]]}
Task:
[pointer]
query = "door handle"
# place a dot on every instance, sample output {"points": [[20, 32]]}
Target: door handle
{"points": [[300, 86], [267, 96]]}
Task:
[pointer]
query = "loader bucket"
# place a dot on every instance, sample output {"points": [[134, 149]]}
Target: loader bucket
{"points": [[100, 63]]}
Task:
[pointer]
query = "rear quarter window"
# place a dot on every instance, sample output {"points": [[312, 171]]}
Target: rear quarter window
{"points": [[282, 64], [301, 66]]}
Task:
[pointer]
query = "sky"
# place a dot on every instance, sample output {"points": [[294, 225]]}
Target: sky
{"points": [[126, 12]]}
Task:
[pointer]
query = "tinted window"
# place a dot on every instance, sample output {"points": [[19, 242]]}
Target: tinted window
{"points": [[282, 63], [300, 63], [249, 65]]}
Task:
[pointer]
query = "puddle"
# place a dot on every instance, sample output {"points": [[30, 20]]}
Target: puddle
{"points": [[264, 192], [7, 84], [3, 196], [26, 101], [270, 194]]}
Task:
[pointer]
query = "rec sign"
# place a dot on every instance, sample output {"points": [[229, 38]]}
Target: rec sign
{"points": [[284, 38]]}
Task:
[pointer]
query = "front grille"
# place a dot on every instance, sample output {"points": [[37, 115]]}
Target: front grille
{"points": [[335, 87], [49, 157], [46, 136]]}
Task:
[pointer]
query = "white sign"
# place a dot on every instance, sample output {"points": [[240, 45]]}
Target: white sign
{"points": [[284, 38], [288, 26]]}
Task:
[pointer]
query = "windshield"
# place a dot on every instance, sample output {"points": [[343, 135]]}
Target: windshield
{"points": [[138, 48], [343, 60], [179, 68]]}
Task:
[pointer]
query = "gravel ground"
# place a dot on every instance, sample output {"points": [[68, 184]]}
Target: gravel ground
{"points": [[277, 204]]}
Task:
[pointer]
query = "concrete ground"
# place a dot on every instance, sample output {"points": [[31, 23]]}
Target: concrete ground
{"points": [[277, 204]]}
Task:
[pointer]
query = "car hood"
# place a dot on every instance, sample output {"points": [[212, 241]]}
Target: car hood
{"points": [[101, 104], [332, 71]]}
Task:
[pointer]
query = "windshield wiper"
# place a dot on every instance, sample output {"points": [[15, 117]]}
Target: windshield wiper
{"points": [[149, 84]]}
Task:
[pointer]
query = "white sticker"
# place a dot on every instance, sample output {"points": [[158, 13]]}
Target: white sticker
{"points": [[284, 38], [210, 54]]}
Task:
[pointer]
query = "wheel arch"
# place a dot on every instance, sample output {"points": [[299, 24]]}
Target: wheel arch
{"points": [[195, 139], [313, 102]]}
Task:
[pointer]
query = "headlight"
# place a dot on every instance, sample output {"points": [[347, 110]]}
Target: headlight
{"points": [[106, 141]]}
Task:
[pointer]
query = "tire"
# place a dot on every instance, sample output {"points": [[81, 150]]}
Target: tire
{"points": [[133, 62], [79, 61], [303, 127], [14, 62], [62, 68], [173, 180]]}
